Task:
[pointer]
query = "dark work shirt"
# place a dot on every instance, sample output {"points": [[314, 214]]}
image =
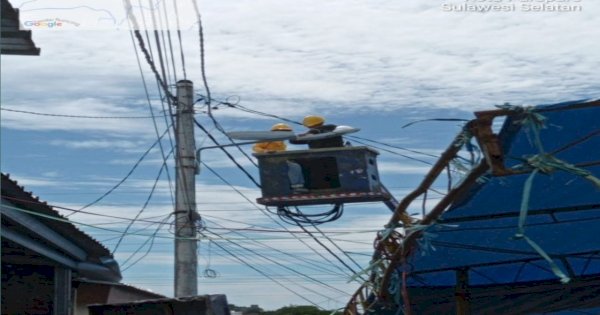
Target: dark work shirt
{"points": [[331, 142]]}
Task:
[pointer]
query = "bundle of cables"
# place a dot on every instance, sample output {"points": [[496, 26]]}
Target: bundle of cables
{"points": [[296, 217]]}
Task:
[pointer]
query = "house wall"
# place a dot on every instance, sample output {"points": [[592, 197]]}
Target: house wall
{"points": [[96, 293], [122, 295], [27, 289], [87, 294]]}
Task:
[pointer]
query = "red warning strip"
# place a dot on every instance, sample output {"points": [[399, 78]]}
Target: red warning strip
{"points": [[329, 197]]}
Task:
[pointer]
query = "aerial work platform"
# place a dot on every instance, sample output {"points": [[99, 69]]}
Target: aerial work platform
{"points": [[330, 175]]}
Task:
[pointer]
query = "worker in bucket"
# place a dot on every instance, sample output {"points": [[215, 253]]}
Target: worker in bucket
{"points": [[272, 146], [316, 125], [295, 174]]}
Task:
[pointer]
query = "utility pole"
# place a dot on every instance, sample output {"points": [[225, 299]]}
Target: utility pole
{"points": [[186, 259]]}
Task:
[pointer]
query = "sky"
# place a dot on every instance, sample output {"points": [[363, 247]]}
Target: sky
{"points": [[374, 65]]}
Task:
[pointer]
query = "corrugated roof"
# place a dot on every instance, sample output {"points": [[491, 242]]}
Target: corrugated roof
{"points": [[17, 195], [13, 40], [125, 286], [517, 234], [478, 233]]}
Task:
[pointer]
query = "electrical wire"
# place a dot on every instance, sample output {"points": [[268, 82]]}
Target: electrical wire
{"points": [[169, 38], [62, 219], [79, 211], [252, 111], [396, 153], [154, 123], [220, 128], [180, 41], [300, 218], [206, 87], [138, 35], [323, 284], [76, 116], [126, 176], [355, 138], [163, 167], [312, 264], [434, 119], [147, 220], [334, 243], [147, 226], [295, 217], [396, 147], [266, 275], [270, 217], [159, 52], [169, 100], [270, 230], [158, 85], [150, 239], [212, 138], [202, 61], [329, 251]]}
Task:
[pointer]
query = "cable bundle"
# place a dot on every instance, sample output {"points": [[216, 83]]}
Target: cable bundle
{"points": [[296, 217]]}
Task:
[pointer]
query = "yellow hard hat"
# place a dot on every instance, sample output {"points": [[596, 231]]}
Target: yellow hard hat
{"points": [[281, 127], [313, 121]]}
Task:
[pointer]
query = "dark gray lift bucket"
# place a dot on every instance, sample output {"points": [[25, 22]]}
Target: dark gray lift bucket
{"points": [[331, 176]]}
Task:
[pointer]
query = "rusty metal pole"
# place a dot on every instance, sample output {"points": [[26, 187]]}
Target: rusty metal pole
{"points": [[186, 259], [463, 305]]}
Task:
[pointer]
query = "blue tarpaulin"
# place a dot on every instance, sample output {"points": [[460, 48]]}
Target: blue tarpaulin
{"points": [[476, 235]]}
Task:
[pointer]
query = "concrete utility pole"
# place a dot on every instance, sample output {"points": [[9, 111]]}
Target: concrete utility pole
{"points": [[186, 259]]}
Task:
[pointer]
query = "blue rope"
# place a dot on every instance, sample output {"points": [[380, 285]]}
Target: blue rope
{"points": [[521, 229], [546, 164]]}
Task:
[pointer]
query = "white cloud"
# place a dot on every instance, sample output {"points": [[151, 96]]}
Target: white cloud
{"points": [[335, 57], [99, 144], [34, 181]]}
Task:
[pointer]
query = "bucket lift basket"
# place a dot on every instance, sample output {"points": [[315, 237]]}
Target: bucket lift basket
{"points": [[331, 176]]}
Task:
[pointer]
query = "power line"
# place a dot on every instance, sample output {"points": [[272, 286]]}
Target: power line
{"points": [[206, 87], [396, 153], [138, 35], [252, 111], [180, 41], [78, 211], [76, 116], [169, 38], [158, 85], [169, 97], [150, 239], [202, 61], [265, 275], [269, 216], [312, 264], [284, 266], [256, 112], [396, 147], [434, 119], [327, 249], [227, 153], [126, 176], [334, 244], [105, 241], [154, 123], [266, 229], [163, 167], [63, 219]]}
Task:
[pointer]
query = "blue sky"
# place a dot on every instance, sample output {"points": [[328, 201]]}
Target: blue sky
{"points": [[376, 65]]}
